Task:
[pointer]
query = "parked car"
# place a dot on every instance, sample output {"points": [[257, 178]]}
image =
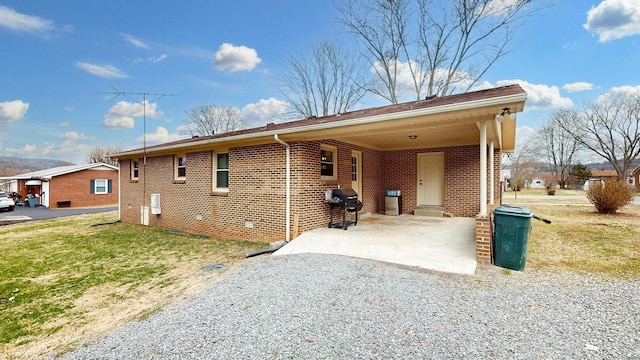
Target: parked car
{"points": [[6, 202]]}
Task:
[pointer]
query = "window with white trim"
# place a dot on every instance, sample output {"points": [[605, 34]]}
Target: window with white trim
{"points": [[180, 165], [134, 169], [328, 162], [221, 171], [100, 186]]}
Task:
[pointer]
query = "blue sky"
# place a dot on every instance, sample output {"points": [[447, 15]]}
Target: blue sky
{"points": [[60, 59]]}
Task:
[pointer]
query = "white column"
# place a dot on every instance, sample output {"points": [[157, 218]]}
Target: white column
{"points": [[483, 168], [491, 174]]}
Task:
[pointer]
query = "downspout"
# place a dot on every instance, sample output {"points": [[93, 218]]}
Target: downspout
{"points": [[288, 186]]}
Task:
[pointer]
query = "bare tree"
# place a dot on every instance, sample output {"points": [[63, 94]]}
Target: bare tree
{"points": [[449, 45], [523, 164], [210, 119], [557, 146], [324, 83], [610, 128], [102, 155]]}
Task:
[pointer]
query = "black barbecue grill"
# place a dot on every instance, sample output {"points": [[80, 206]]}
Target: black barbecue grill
{"points": [[345, 200]]}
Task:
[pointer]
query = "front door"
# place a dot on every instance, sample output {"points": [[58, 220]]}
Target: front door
{"points": [[356, 172], [431, 179]]}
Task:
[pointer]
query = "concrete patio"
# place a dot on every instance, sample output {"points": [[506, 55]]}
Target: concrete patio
{"points": [[441, 244]]}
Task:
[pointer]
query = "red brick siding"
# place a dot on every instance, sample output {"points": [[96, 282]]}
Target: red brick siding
{"points": [[257, 188], [461, 177], [76, 187]]}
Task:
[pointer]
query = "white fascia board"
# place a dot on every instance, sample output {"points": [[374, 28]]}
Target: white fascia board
{"points": [[338, 124]]}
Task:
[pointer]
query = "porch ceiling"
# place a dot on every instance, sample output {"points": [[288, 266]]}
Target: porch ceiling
{"points": [[456, 128]]}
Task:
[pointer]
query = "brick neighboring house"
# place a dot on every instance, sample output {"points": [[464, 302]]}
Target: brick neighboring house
{"points": [[635, 177], [87, 185], [611, 174], [443, 152]]}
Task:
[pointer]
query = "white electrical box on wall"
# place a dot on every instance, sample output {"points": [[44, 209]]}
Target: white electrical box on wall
{"points": [[155, 204]]}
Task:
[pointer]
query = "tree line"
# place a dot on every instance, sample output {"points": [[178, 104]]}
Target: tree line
{"points": [[607, 128]]}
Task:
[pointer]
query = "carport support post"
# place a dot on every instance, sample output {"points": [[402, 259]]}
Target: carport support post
{"points": [[492, 184], [483, 228], [483, 168]]}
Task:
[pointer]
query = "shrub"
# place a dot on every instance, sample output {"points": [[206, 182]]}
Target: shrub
{"points": [[610, 195]]}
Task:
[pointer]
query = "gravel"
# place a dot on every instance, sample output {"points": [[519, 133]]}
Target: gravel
{"points": [[310, 306]]}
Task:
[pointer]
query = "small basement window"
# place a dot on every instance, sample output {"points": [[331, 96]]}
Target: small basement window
{"points": [[328, 162]]}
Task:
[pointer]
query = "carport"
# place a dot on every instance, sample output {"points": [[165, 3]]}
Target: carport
{"points": [[441, 244]]}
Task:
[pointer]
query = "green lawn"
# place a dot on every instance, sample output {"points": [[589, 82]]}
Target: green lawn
{"points": [[64, 273]]}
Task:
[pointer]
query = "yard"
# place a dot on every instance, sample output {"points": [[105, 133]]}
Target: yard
{"points": [[64, 281]]}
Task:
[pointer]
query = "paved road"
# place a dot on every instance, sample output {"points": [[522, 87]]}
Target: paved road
{"points": [[22, 214]]}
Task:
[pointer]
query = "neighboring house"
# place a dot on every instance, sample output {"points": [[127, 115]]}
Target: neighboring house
{"points": [[537, 182], [87, 185], [599, 175], [635, 177], [441, 153]]}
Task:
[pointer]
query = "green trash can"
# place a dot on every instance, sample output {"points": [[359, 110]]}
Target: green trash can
{"points": [[512, 230]]}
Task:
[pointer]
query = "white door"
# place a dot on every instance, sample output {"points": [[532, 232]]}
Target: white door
{"points": [[431, 179], [356, 172]]}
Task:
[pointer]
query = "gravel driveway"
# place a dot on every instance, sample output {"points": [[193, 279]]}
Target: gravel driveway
{"points": [[310, 306]]}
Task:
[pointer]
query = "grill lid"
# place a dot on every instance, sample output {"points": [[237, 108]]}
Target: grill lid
{"points": [[344, 194]]}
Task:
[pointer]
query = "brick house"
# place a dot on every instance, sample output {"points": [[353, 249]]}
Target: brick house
{"points": [[256, 183], [87, 185]]}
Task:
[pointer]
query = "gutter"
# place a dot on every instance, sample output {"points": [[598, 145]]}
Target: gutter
{"points": [[288, 187], [332, 125]]}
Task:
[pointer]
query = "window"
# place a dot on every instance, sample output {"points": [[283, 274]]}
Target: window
{"points": [[180, 167], [328, 157], [134, 169], [221, 171], [100, 186]]}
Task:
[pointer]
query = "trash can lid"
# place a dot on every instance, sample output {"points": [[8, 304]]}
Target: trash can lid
{"points": [[513, 211]]}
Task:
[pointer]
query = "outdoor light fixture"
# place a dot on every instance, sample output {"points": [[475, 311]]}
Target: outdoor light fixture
{"points": [[505, 112], [413, 137]]}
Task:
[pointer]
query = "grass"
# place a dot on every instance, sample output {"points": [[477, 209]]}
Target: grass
{"points": [[62, 277], [581, 240]]}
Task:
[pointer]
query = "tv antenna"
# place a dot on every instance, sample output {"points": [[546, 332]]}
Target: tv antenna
{"points": [[145, 99]]}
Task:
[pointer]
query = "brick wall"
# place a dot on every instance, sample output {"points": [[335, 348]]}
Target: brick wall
{"points": [[254, 206], [461, 177], [76, 187]]}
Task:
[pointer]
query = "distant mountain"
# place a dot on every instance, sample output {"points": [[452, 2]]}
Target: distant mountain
{"points": [[10, 166]]}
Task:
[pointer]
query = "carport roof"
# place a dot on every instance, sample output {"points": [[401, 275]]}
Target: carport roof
{"points": [[440, 121]]}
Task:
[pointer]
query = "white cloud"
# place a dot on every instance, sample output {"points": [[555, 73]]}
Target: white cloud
{"points": [[69, 109], [16, 21], [72, 135], [264, 111], [153, 59], [122, 114], [25, 151], [404, 80], [620, 90], [235, 58], [64, 124], [577, 86], [135, 42], [103, 71], [539, 96], [161, 135], [524, 133], [11, 111], [614, 19]]}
